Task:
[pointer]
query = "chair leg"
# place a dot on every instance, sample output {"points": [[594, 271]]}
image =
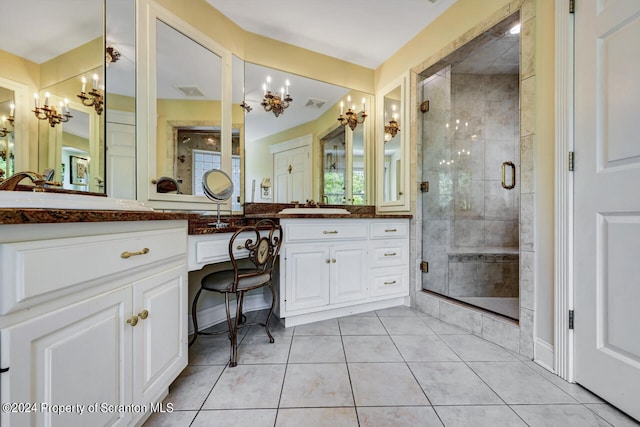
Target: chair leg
{"points": [[243, 318], [237, 321], [233, 332], [194, 317], [273, 303]]}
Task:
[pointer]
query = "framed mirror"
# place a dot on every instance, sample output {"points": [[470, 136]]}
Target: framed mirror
{"points": [[286, 154], [59, 47], [392, 144], [120, 96], [186, 96]]}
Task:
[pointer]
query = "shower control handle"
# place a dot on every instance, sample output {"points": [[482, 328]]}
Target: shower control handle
{"points": [[513, 175]]}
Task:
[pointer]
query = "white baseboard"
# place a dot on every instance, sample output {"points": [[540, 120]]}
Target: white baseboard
{"points": [[216, 314], [543, 354]]}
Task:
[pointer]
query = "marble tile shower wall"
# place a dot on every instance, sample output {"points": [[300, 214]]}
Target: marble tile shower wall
{"points": [[471, 128]]}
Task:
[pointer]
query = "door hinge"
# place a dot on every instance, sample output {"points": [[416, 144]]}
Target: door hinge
{"points": [[571, 319], [424, 186], [572, 6], [571, 161], [3, 370], [424, 266], [424, 107]]}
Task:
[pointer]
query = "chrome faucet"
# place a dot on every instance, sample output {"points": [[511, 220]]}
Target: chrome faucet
{"points": [[11, 183]]}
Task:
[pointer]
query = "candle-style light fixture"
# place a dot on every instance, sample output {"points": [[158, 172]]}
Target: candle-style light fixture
{"points": [[95, 97], [350, 117], [3, 130], [247, 107], [274, 101], [47, 112], [392, 129]]}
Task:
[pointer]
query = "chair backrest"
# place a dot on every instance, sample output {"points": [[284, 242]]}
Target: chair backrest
{"points": [[263, 243]]}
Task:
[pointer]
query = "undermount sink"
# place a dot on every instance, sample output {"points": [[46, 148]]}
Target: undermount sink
{"points": [[316, 211], [43, 200]]}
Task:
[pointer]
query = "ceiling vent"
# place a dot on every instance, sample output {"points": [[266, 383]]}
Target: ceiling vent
{"points": [[315, 102], [190, 91]]}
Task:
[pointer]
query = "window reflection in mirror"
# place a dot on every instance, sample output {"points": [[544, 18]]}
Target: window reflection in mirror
{"points": [[198, 150], [335, 167], [188, 99]]}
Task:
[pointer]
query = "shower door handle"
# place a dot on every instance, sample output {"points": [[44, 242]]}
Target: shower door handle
{"points": [[513, 175]]}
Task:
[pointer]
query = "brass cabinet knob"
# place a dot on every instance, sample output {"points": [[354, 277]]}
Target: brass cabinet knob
{"points": [[143, 314], [333, 260], [133, 321], [327, 261]]}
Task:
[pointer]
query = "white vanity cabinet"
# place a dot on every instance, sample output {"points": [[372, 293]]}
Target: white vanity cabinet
{"points": [[336, 267], [325, 274], [106, 324]]}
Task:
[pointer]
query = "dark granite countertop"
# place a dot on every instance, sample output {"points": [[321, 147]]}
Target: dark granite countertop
{"points": [[198, 224], [52, 216]]}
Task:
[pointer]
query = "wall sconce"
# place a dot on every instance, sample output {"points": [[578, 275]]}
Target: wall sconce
{"points": [[352, 118], [392, 129], [276, 102], [50, 113], [95, 97], [111, 54], [247, 107], [3, 130]]}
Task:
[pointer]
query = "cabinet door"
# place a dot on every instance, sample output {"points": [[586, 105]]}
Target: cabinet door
{"points": [[348, 273], [307, 276], [78, 355], [160, 339]]}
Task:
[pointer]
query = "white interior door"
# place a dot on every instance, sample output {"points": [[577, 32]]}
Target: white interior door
{"points": [[607, 200]]}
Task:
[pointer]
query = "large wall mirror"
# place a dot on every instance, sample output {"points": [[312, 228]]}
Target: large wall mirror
{"points": [[392, 142], [303, 152], [50, 60], [185, 95]]}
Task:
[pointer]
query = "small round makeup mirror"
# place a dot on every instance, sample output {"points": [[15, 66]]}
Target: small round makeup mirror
{"points": [[217, 186]]}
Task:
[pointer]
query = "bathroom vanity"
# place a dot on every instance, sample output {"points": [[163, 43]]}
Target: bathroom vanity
{"points": [[94, 308], [336, 267], [93, 311]]}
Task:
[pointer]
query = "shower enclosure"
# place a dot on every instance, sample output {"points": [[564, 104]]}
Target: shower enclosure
{"points": [[471, 154]]}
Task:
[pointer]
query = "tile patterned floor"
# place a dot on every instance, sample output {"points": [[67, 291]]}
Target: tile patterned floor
{"points": [[393, 367]]}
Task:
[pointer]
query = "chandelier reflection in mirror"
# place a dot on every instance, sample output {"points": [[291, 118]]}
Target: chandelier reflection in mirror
{"points": [[50, 113], [95, 97], [3, 130], [352, 118], [276, 102], [392, 129]]}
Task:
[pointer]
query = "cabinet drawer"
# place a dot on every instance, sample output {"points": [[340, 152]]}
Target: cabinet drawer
{"points": [[325, 231], [32, 271], [389, 229], [216, 249], [389, 281], [389, 253]]}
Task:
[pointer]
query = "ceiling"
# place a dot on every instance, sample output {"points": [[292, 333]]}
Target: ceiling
{"points": [[363, 32]]}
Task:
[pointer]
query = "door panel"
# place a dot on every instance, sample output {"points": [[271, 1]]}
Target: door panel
{"points": [[160, 340], [307, 276], [348, 273], [607, 202], [56, 358]]}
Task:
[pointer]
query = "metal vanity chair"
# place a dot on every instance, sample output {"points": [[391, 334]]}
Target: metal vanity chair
{"points": [[262, 241]]}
